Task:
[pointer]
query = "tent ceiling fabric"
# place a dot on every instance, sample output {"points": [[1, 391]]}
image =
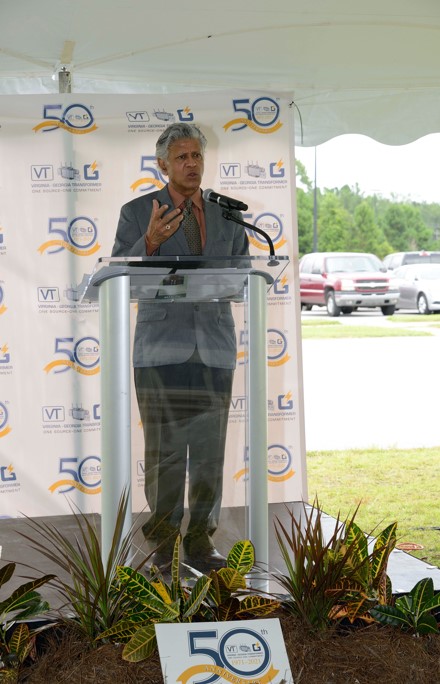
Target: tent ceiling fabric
{"points": [[350, 67]]}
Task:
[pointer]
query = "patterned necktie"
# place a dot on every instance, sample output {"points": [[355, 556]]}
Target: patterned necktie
{"points": [[191, 229]]}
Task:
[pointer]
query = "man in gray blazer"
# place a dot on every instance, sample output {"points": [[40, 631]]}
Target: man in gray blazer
{"points": [[184, 354]]}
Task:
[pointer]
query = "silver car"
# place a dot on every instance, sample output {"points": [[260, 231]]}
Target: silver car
{"points": [[419, 287]]}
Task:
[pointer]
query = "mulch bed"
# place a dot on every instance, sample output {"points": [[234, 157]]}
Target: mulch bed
{"points": [[361, 655]]}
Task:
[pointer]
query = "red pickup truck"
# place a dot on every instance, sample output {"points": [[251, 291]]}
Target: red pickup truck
{"points": [[345, 281]]}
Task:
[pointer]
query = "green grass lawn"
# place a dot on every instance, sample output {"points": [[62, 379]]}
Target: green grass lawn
{"points": [[347, 331], [391, 485], [334, 329], [414, 318]]}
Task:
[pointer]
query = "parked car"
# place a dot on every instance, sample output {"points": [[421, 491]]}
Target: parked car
{"points": [[345, 281], [419, 287], [393, 261]]}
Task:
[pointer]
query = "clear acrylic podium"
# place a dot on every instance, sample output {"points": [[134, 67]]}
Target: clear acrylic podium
{"points": [[115, 282]]}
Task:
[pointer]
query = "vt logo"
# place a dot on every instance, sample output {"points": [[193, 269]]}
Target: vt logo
{"points": [[230, 170], [42, 172]]}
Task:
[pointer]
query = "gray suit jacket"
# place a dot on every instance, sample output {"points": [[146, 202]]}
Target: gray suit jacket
{"points": [[168, 332]]}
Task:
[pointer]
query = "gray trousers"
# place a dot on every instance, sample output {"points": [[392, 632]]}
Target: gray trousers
{"points": [[184, 411]]}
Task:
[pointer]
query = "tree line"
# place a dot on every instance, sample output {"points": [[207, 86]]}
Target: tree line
{"points": [[349, 221]]}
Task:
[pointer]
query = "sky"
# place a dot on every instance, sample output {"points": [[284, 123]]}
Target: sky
{"points": [[406, 171]]}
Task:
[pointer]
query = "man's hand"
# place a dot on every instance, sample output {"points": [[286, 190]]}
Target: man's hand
{"points": [[162, 224]]}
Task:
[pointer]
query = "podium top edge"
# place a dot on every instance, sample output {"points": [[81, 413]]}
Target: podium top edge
{"points": [[180, 259]]}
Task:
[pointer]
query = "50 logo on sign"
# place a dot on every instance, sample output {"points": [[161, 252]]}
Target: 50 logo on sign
{"points": [[280, 463], [3, 308], [260, 115], [153, 181], [277, 347], [83, 475], [272, 225], [79, 236], [5, 429], [239, 653], [75, 118], [82, 356]]}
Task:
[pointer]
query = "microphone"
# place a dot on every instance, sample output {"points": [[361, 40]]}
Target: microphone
{"points": [[226, 202]]}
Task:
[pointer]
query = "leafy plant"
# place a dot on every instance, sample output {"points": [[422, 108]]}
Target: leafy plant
{"points": [[412, 611], [17, 640], [89, 589], [329, 580], [211, 598], [364, 575]]}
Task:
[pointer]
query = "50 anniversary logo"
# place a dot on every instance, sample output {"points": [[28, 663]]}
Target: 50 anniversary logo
{"points": [[78, 237], [280, 464], [153, 180], [272, 225], [5, 429], [75, 118], [82, 356], [85, 475], [260, 115]]}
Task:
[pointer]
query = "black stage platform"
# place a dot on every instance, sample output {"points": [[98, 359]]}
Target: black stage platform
{"points": [[404, 570]]}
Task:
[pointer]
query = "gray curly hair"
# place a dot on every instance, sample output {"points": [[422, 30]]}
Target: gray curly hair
{"points": [[175, 132]]}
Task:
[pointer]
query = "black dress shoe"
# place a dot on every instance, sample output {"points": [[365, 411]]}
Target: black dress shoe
{"points": [[163, 555], [206, 561], [201, 554], [161, 559]]}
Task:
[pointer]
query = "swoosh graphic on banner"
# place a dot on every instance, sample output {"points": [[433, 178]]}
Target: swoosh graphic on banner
{"points": [[241, 473], [2, 309], [281, 478], [252, 125], [266, 248], [65, 127], [280, 362], [272, 478], [74, 366], [151, 181], [70, 248], [77, 485], [5, 432]]}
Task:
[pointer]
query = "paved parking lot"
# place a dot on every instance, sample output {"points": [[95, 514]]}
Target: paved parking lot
{"points": [[371, 392]]}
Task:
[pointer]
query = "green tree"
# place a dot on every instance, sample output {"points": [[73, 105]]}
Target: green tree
{"points": [[350, 221], [430, 214], [301, 175], [304, 208], [334, 224], [404, 228], [366, 235], [350, 198]]}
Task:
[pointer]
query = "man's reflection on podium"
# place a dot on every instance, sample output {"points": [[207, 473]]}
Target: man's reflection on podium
{"points": [[184, 354]]}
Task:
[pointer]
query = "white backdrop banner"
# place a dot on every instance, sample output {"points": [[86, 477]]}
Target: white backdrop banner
{"points": [[68, 163]]}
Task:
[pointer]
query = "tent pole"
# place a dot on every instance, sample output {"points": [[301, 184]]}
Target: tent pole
{"points": [[64, 81]]}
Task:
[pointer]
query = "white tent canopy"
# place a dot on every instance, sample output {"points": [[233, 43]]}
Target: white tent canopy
{"points": [[350, 67]]}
